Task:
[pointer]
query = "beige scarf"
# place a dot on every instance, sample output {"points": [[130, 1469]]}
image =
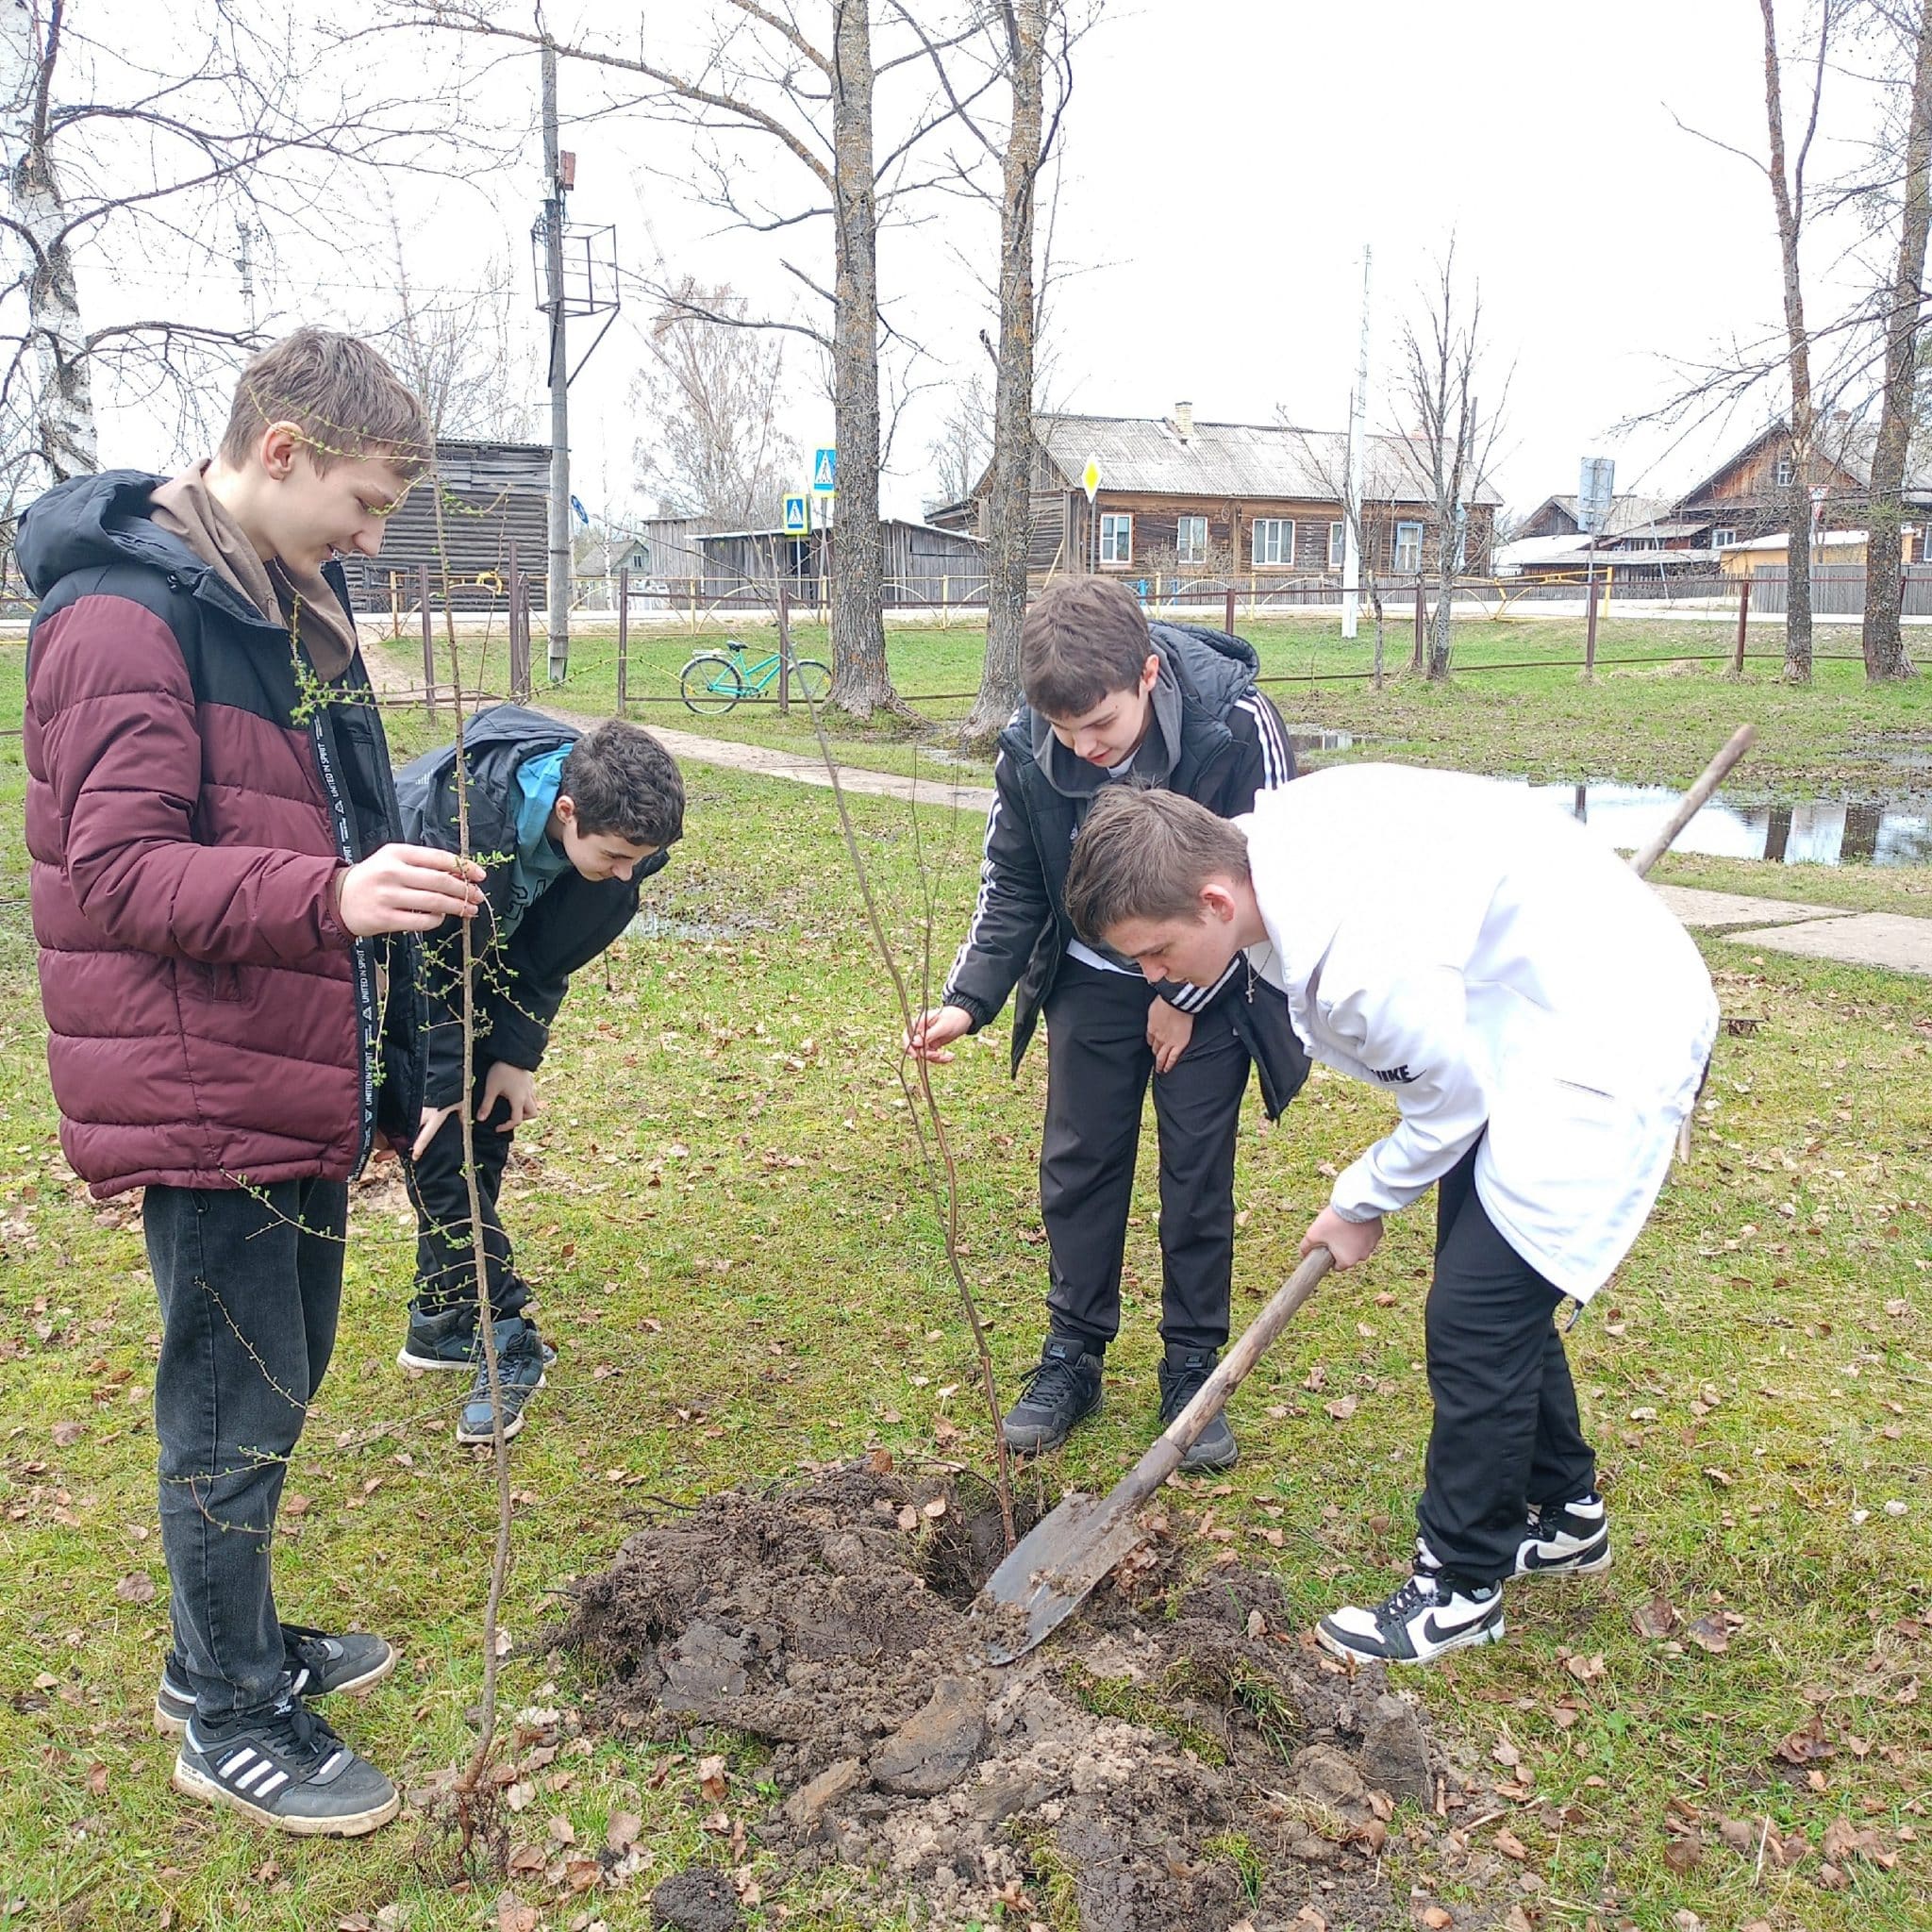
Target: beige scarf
{"points": [[187, 509]]}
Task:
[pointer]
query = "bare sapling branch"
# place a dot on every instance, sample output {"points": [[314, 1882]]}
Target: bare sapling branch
{"points": [[929, 1103]]}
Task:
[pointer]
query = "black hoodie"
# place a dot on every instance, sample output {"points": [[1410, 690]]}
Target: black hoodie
{"points": [[1216, 739]]}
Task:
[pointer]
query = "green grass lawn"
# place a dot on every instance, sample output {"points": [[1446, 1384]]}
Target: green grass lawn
{"points": [[739, 1261], [1640, 721]]}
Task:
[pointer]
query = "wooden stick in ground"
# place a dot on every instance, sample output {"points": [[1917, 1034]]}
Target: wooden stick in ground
{"points": [[1695, 800]]}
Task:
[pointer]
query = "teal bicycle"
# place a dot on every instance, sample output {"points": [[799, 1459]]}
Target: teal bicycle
{"points": [[713, 681]]}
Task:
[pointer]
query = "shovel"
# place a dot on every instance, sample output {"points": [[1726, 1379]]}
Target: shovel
{"points": [[1061, 1560]]}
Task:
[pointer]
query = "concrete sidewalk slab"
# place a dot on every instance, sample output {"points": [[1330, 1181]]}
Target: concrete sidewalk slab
{"points": [[1697, 907], [1890, 939]]}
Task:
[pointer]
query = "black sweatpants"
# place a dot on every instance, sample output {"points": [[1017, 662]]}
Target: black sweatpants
{"points": [[445, 1256], [1098, 1066], [1507, 1432]]}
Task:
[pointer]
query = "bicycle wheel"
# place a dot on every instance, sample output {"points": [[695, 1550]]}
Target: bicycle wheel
{"points": [[810, 679], [710, 683]]}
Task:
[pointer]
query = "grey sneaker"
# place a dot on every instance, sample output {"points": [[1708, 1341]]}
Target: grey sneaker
{"points": [[288, 1771], [1062, 1388], [446, 1339], [1182, 1372], [519, 1376], [317, 1664]]}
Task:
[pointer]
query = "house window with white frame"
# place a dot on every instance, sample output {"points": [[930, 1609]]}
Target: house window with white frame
{"points": [[1408, 547], [1338, 545], [1723, 540], [1787, 469], [1117, 538], [1190, 539], [1274, 543]]}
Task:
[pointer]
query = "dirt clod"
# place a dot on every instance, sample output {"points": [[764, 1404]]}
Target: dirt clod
{"points": [[696, 1901], [1395, 1753], [1174, 1756]]}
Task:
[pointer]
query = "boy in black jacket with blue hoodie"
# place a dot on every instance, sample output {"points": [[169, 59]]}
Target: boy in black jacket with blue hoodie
{"points": [[568, 826], [1112, 700]]}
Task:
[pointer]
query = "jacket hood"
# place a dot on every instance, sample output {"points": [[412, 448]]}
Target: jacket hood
{"points": [[93, 522], [1209, 670]]}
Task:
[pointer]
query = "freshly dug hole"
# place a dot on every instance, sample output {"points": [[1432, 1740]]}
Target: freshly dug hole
{"points": [[1142, 1769]]}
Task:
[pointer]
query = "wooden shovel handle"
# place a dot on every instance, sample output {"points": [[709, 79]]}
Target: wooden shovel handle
{"points": [[1164, 1457]]}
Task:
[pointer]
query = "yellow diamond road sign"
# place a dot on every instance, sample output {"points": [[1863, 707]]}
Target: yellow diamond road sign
{"points": [[1089, 478]]}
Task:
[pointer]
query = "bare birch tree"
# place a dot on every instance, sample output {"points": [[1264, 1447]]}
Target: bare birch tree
{"points": [[1448, 429], [959, 453], [1786, 173], [1910, 23], [707, 402], [145, 160]]}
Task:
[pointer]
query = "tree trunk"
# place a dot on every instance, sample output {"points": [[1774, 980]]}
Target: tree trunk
{"points": [[860, 682], [1010, 524], [63, 394], [1441, 620], [1375, 605], [1884, 645], [1798, 502]]}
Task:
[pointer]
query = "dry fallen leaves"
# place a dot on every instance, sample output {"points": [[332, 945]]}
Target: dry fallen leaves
{"points": [[1654, 1619], [138, 1587], [711, 1779], [1342, 1408], [1709, 1633]]}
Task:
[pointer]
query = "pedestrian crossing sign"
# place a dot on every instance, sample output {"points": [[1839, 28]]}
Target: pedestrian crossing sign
{"points": [[797, 513], [824, 471]]}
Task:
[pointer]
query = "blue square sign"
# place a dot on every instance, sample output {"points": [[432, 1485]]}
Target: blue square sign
{"points": [[797, 514], [824, 471]]}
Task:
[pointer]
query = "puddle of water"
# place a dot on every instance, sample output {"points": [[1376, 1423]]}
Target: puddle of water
{"points": [[1815, 832], [1303, 739], [655, 926]]}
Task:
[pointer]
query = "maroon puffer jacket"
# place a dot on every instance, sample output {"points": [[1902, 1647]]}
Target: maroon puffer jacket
{"points": [[192, 793]]}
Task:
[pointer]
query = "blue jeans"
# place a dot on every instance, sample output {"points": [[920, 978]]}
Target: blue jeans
{"points": [[250, 1285]]}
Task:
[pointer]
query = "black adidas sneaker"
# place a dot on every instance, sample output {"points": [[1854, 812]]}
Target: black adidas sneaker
{"points": [[1566, 1538], [317, 1664], [1431, 1613], [287, 1770]]}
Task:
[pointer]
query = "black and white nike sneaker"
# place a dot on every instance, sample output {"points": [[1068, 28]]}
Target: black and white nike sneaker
{"points": [[287, 1770], [1566, 1538], [1431, 1613], [317, 1664]]}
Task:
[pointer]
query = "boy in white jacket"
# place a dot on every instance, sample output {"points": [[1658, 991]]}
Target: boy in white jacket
{"points": [[1542, 1022]]}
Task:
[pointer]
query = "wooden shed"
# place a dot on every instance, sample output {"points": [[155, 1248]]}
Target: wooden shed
{"points": [[920, 565], [491, 495]]}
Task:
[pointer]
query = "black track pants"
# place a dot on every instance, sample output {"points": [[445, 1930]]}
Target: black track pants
{"points": [[1098, 1067], [1507, 1432]]}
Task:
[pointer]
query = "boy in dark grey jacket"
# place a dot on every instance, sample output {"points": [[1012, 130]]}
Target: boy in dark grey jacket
{"points": [[1110, 700], [569, 826]]}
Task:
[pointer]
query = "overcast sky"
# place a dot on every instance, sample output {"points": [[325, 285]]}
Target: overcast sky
{"points": [[1226, 162]]}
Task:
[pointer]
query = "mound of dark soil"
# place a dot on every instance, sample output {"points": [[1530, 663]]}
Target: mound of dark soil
{"points": [[1172, 1758]]}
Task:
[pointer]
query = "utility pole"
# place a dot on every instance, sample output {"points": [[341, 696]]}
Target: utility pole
{"points": [[1357, 438], [560, 572], [244, 264]]}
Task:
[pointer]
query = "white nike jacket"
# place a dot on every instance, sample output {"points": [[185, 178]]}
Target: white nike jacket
{"points": [[1482, 956]]}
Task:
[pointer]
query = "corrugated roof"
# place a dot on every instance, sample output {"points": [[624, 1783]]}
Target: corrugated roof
{"points": [[1626, 512], [1230, 460]]}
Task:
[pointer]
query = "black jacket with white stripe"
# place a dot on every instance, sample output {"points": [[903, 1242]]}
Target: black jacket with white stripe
{"points": [[1231, 744]]}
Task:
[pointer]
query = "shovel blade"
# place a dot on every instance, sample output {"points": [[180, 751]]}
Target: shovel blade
{"points": [[1052, 1571]]}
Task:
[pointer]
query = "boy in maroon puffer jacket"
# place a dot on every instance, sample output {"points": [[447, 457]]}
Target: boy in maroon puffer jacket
{"points": [[216, 873]]}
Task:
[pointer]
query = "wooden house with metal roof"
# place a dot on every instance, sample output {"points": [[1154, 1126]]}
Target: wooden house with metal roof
{"points": [[1225, 500]]}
